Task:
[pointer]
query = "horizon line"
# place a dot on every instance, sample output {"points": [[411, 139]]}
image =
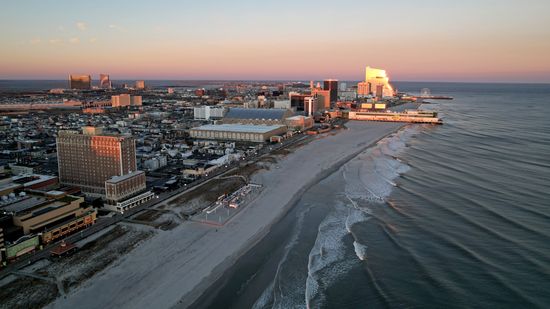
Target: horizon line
{"points": [[292, 80]]}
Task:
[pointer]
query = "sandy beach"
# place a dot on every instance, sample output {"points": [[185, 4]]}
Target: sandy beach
{"points": [[173, 268]]}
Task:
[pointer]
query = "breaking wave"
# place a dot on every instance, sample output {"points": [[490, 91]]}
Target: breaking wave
{"points": [[360, 250], [369, 179]]}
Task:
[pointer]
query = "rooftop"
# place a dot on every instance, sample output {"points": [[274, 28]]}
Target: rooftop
{"points": [[116, 179], [29, 180], [241, 128], [91, 134], [256, 113], [37, 204], [298, 117], [55, 192], [25, 204]]}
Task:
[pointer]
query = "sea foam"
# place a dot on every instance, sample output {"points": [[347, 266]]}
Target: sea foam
{"points": [[360, 250], [369, 179]]}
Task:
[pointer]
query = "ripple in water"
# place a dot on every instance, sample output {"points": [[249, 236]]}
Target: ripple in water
{"points": [[369, 180]]}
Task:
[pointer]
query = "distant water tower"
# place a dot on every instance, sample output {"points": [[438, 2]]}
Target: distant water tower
{"points": [[425, 92]]}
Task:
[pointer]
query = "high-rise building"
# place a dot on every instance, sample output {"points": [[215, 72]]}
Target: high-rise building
{"points": [[121, 100], [323, 97], [297, 101], [115, 101], [88, 159], [342, 86], [362, 89], [378, 84], [136, 100], [310, 105], [332, 86], [104, 81], [80, 82], [140, 84]]}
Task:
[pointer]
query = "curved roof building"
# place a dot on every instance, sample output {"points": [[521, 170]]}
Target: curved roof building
{"points": [[257, 116]]}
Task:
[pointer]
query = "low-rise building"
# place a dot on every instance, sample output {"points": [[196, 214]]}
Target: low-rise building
{"points": [[194, 171], [208, 112], [299, 123], [347, 95], [21, 247], [127, 191], [257, 116], [155, 163], [11, 185], [20, 169], [282, 104], [53, 217], [238, 132]]}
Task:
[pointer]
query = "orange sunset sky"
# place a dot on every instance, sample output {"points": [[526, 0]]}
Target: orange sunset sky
{"points": [[502, 41]]}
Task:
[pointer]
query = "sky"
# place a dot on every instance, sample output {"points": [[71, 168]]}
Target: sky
{"points": [[422, 40]]}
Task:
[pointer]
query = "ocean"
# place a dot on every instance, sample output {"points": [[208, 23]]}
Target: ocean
{"points": [[451, 216]]}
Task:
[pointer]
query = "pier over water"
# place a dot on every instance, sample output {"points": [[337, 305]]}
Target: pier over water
{"points": [[412, 116]]}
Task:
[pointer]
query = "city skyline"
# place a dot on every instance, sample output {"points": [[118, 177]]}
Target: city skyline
{"points": [[426, 41], [274, 154]]}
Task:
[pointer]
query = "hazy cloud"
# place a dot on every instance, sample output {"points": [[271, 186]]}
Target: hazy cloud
{"points": [[55, 41], [117, 27], [35, 41], [81, 26], [74, 40], [93, 40]]}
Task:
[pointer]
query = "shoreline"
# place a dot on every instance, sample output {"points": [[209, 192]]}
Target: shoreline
{"points": [[183, 264], [284, 210], [214, 285]]}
